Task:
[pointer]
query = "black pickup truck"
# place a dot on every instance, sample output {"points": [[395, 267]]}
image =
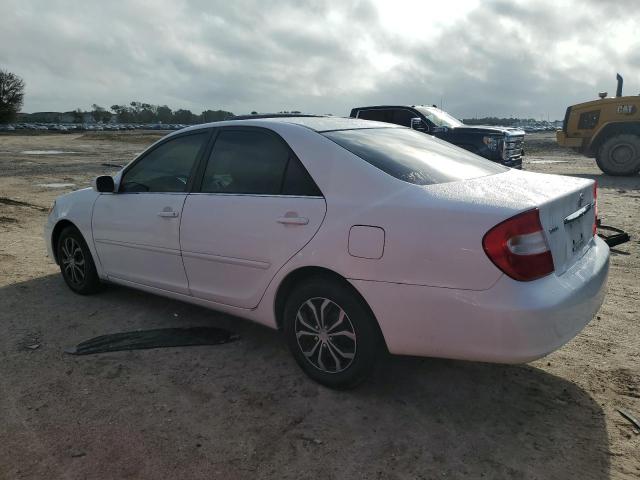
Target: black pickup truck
{"points": [[499, 144]]}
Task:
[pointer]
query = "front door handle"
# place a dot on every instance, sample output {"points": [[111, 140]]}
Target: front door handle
{"points": [[168, 214], [293, 220]]}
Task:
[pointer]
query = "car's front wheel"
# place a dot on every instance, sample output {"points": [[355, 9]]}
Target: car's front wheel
{"points": [[76, 264], [331, 333]]}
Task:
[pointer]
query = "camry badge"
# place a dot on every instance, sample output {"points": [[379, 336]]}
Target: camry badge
{"points": [[553, 229]]}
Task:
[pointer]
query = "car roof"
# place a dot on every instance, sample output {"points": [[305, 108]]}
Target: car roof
{"points": [[373, 107], [383, 106], [318, 124], [325, 124]]}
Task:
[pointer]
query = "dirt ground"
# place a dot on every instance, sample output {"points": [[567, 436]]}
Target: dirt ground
{"points": [[245, 410]]}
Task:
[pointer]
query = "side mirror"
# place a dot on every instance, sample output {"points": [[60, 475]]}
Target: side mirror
{"points": [[104, 184], [419, 125]]}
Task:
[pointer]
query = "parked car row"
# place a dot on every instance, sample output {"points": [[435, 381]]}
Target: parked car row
{"points": [[539, 128], [75, 127]]}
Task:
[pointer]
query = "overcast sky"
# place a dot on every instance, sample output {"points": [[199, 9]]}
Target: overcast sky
{"points": [[499, 57]]}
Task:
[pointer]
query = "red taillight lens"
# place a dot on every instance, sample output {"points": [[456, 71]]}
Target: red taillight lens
{"points": [[595, 208], [518, 247]]}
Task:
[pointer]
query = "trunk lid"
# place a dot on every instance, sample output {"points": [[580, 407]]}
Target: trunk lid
{"points": [[566, 206], [568, 224]]}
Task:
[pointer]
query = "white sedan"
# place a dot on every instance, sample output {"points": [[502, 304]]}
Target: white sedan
{"points": [[351, 236]]}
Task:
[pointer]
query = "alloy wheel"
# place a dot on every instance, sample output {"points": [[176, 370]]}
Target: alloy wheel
{"points": [[73, 261], [325, 335]]}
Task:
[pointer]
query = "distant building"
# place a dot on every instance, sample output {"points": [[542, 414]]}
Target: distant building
{"points": [[60, 117]]}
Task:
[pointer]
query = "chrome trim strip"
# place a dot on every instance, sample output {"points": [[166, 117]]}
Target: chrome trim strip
{"points": [[139, 246], [229, 260]]}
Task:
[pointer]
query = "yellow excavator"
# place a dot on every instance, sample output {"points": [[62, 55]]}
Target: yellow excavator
{"points": [[607, 129]]}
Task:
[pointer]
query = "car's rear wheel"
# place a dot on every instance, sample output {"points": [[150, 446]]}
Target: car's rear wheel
{"points": [[620, 155], [331, 333], [76, 263]]}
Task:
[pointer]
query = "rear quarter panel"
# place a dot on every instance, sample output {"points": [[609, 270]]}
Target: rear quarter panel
{"points": [[433, 236]]}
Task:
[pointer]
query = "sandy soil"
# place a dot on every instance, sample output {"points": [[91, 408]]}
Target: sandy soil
{"points": [[245, 410]]}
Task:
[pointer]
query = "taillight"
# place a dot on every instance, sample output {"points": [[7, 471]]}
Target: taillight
{"points": [[518, 247], [595, 208]]}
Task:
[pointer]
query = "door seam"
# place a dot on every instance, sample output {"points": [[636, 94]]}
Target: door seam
{"points": [[184, 269]]}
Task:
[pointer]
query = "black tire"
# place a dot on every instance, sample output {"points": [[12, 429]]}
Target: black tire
{"points": [[620, 155], [331, 344], [76, 263]]}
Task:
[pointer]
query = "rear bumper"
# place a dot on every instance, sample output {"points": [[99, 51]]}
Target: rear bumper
{"points": [[512, 322]]}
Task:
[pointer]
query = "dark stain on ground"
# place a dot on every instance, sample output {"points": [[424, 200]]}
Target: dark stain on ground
{"points": [[18, 203], [158, 338]]}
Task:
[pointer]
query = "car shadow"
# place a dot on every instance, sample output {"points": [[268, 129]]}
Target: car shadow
{"points": [[245, 410], [523, 421]]}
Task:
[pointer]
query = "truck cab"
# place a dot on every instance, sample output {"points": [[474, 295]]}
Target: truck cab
{"points": [[499, 144]]}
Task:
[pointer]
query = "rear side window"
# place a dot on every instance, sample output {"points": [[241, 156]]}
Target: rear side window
{"points": [[413, 156], [298, 182], [377, 115], [255, 162]]}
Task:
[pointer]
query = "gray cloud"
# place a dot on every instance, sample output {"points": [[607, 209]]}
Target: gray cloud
{"points": [[500, 58]]}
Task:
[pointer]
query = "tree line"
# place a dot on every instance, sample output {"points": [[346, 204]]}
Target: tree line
{"points": [[140, 112], [12, 97], [506, 122]]}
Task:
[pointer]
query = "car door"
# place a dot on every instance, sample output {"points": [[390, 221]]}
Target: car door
{"points": [[257, 207], [137, 230]]}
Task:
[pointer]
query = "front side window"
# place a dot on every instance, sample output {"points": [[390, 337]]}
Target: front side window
{"points": [[413, 156], [166, 168], [439, 117], [255, 162], [403, 117]]}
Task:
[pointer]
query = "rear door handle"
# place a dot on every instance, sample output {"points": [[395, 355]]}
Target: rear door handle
{"points": [[168, 214], [293, 220]]}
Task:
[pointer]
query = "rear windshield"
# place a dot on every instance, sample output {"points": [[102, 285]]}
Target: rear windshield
{"points": [[414, 157]]}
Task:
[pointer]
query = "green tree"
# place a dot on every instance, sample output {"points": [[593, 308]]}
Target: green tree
{"points": [[78, 115], [164, 114], [123, 112], [100, 114], [11, 96], [144, 112], [184, 116]]}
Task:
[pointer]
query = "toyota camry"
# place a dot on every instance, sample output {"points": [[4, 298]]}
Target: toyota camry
{"points": [[352, 237]]}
